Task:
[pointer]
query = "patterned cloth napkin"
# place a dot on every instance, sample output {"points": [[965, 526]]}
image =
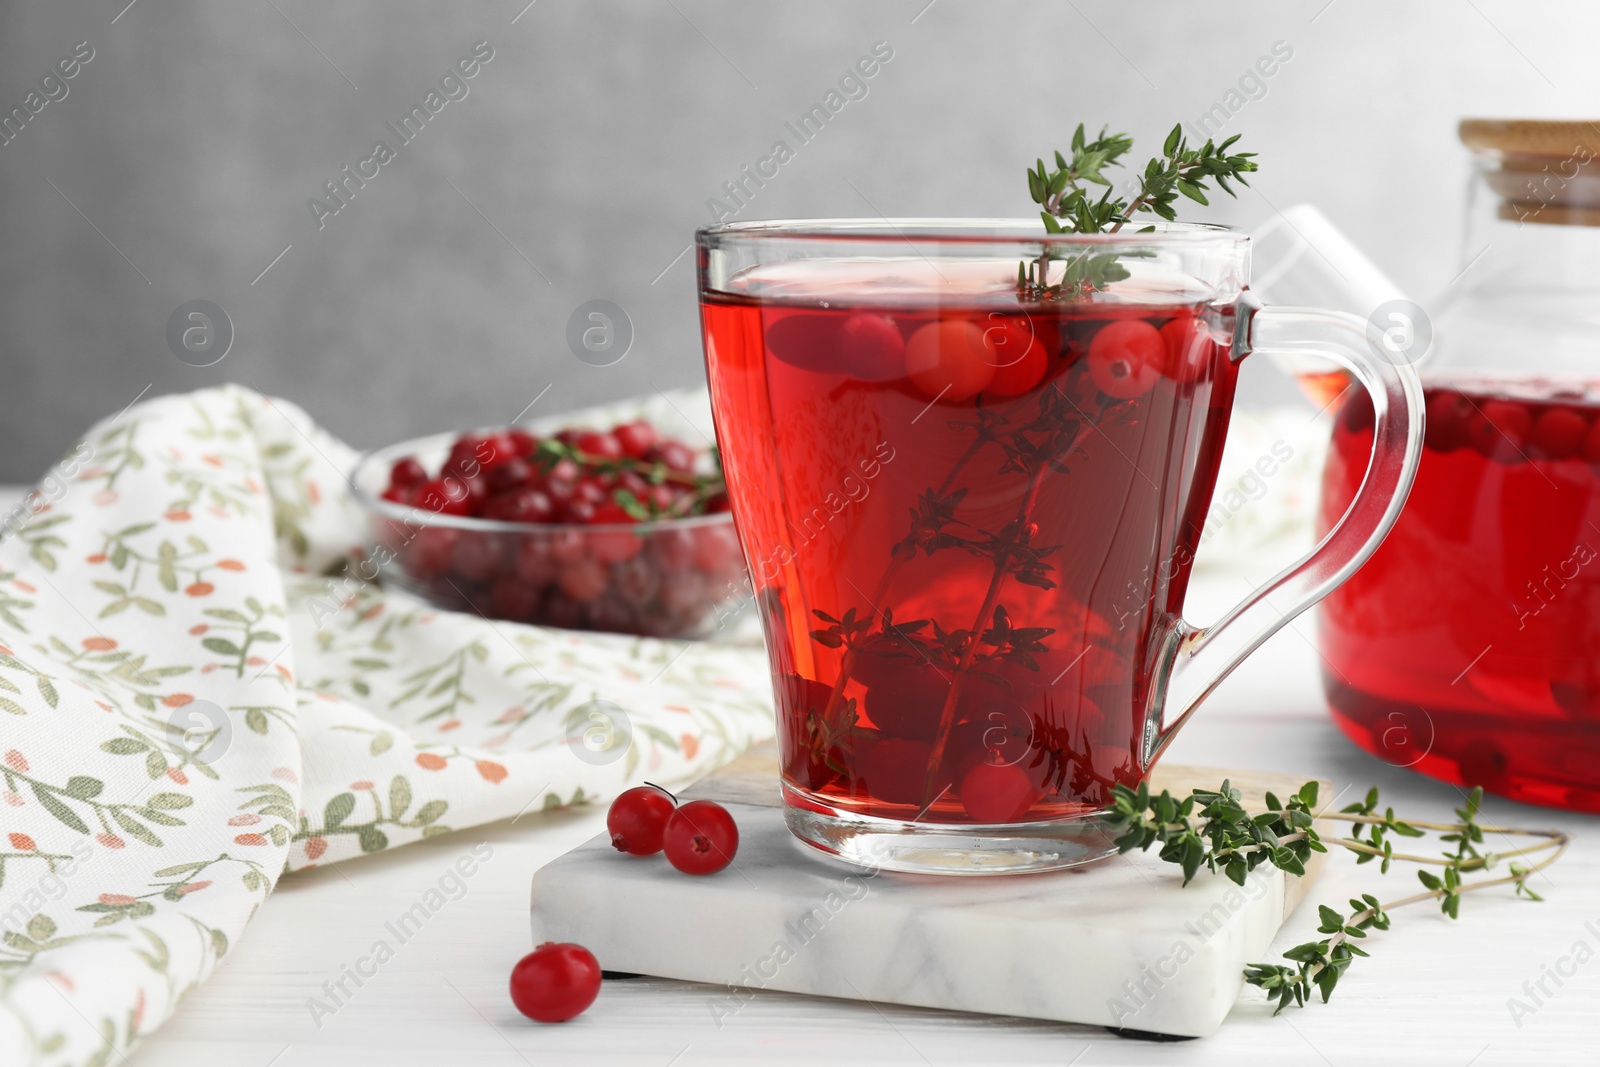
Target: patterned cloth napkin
{"points": [[189, 710]]}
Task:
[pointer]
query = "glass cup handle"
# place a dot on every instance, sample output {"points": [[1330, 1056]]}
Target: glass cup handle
{"points": [[1199, 658]]}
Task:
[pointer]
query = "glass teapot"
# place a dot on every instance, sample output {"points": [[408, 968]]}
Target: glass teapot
{"points": [[1469, 647]]}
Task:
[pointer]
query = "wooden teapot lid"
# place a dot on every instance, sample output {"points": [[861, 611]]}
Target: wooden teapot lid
{"points": [[1543, 170]]}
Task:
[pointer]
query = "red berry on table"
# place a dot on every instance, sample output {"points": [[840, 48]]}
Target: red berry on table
{"points": [[636, 438], [555, 982], [1126, 358], [407, 472], [701, 837], [1559, 433], [638, 818], [947, 360], [871, 348], [597, 445]]}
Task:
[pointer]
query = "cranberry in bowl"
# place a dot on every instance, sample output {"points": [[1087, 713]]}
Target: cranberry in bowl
{"points": [[617, 528]]}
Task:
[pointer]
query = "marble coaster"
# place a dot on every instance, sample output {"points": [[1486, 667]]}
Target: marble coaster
{"points": [[1119, 943]]}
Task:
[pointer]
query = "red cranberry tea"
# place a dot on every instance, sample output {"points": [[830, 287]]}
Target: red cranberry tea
{"points": [[969, 522], [1469, 647]]}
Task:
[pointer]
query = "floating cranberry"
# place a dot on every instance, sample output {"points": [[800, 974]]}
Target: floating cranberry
{"points": [[808, 340], [905, 694], [871, 348], [994, 791], [1448, 412], [1018, 357], [947, 359], [637, 820], [1188, 348], [895, 769], [1499, 430], [555, 982], [802, 702], [701, 837], [1356, 414], [407, 472], [1559, 433], [1126, 357]]}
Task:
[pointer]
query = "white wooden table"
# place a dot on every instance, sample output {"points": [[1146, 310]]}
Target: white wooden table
{"points": [[1435, 991]]}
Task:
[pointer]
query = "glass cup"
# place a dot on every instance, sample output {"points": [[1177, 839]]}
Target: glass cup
{"points": [[970, 506]]}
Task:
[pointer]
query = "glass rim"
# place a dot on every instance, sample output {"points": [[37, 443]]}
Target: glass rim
{"points": [[972, 231]]}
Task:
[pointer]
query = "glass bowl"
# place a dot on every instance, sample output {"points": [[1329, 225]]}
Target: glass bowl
{"points": [[665, 578]]}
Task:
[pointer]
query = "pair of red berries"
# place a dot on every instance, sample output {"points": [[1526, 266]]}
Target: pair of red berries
{"points": [[699, 837], [557, 982]]}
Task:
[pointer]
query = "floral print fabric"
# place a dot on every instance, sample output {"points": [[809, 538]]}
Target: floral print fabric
{"points": [[191, 706]]}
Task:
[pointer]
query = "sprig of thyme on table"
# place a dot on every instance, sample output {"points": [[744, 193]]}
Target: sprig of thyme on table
{"points": [[1068, 206], [1212, 829]]}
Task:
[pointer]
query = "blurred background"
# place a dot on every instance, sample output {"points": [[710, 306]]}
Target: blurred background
{"points": [[185, 157]]}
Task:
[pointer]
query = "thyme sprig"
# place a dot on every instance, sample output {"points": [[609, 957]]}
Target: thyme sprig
{"points": [[702, 486], [1068, 204], [1213, 829]]}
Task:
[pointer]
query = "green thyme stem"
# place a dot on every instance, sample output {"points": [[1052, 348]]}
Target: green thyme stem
{"points": [[947, 714]]}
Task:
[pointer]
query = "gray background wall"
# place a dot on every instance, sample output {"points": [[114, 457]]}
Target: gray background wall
{"points": [[180, 162]]}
